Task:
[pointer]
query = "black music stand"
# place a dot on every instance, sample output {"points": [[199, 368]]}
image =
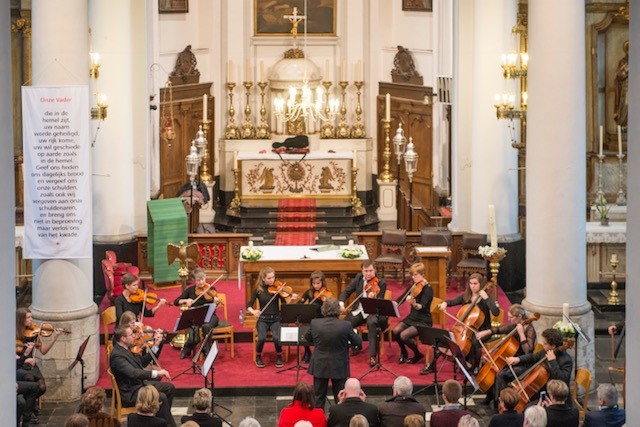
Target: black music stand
{"points": [[378, 307], [194, 317], [298, 314], [79, 360], [578, 330], [208, 366], [436, 338], [461, 361]]}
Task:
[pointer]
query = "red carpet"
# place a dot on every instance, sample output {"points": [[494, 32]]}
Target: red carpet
{"points": [[241, 372], [296, 222]]}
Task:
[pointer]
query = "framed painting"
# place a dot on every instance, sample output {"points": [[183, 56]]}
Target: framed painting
{"points": [[173, 6], [418, 5], [269, 17]]}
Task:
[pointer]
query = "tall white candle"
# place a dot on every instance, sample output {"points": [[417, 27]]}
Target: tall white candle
{"points": [[619, 140], [601, 139], [250, 243], [355, 159], [387, 107], [247, 71], [235, 160], [359, 71], [565, 313], [230, 72], [492, 226], [343, 71], [614, 257], [204, 107], [261, 70], [326, 71]]}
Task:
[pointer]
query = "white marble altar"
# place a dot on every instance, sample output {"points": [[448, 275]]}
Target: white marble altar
{"points": [[602, 242]]}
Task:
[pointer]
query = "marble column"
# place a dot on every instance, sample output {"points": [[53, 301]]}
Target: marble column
{"points": [[555, 175], [7, 222], [63, 288]]}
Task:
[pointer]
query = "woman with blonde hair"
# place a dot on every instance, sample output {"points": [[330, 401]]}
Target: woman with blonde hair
{"points": [[202, 405], [359, 421], [92, 403], [147, 406]]}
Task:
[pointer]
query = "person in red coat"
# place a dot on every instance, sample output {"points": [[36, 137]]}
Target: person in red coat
{"points": [[451, 413], [302, 408]]}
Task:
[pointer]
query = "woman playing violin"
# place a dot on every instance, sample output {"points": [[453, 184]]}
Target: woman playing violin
{"points": [[367, 285], [123, 302], [270, 296], [316, 294], [419, 297], [196, 296]]}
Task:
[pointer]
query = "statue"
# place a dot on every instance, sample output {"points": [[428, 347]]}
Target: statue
{"points": [[267, 180], [185, 70], [325, 177], [621, 110]]}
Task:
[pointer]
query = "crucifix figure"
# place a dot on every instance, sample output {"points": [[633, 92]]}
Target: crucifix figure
{"points": [[295, 20]]}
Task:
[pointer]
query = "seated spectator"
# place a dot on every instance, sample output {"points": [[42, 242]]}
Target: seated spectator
{"points": [[147, 406], [508, 417], [302, 408], [189, 424], [393, 411], [358, 421], [414, 420], [92, 403], [202, 405], [352, 402], [468, 421], [451, 413], [535, 416], [77, 420], [249, 422], [559, 414], [608, 414]]}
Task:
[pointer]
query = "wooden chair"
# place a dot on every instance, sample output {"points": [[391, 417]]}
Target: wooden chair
{"points": [[224, 330], [117, 410], [269, 338], [109, 279], [363, 328], [108, 317], [472, 261], [583, 380], [392, 252]]}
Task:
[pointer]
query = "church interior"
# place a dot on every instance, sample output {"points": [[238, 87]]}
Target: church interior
{"points": [[312, 135]]}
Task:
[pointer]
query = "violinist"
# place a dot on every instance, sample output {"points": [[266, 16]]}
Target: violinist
{"points": [[196, 296], [139, 333], [316, 294], [419, 297], [270, 296], [123, 302], [559, 364], [367, 285]]}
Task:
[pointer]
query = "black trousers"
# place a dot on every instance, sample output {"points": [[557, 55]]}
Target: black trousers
{"points": [[320, 387]]}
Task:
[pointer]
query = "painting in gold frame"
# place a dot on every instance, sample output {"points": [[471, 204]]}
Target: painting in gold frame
{"points": [[417, 5], [173, 6], [269, 17]]}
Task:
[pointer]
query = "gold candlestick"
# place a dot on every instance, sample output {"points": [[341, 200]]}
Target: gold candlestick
{"points": [[232, 130], [328, 130], [263, 131], [494, 257], [386, 176], [357, 130], [356, 203], [343, 127], [205, 176], [613, 295], [248, 131], [234, 206]]}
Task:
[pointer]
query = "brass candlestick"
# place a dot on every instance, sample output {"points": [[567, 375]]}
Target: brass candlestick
{"points": [[234, 206], [232, 130], [613, 295], [343, 127], [356, 203], [263, 131], [494, 258], [205, 176], [328, 130], [248, 131], [386, 176], [621, 200], [357, 130]]}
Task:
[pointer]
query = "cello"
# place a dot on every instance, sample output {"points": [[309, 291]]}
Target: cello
{"points": [[470, 318], [534, 378], [507, 347]]}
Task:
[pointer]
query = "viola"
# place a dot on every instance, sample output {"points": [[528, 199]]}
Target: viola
{"points": [[281, 289], [414, 290], [143, 337], [33, 330], [139, 296], [507, 347], [372, 287], [470, 319], [322, 295]]}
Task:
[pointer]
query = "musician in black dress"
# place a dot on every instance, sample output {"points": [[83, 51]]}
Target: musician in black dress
{"points": [[419, 296], [316, 294], [123, 302], [196, 296]]}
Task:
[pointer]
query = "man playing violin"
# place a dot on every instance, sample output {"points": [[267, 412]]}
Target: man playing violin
{"points": [[123, 302], [316, 294], [196, 296], [366, 285]]}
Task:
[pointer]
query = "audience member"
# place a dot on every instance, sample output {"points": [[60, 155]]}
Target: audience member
{"points": [[508, 417], [358, 421], [147, 406], [559, 414], [414, 420], [77, 420], [468, 421], [302, 408], [352, 402], [249, 422], [202, 405], [535, 416], [189, 424], [608, 414], [451, 413], [92, 403], [393, 411], [303, 423]]}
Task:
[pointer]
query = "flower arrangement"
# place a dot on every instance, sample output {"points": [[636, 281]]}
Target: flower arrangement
{"points": [[351, 252], [251, 253], [603, 210], [565, 329], [491, 252]]}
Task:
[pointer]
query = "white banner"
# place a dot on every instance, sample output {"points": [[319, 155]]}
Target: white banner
{"points": [[57, 172]]}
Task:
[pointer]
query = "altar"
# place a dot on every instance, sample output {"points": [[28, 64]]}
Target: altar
{"points": [[602, 242]]}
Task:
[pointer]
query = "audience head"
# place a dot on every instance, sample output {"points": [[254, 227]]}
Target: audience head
{"points": [[352, 387], [148, 401], [92, 400], [77, 420], [451, 391], [558, 391], [535, 416], [553, 337], [359, 421], [468, 421], [509, 399], [607, 395], [249, 422], [202, 399], [303, 423], [402, 386], [330, 308], [190, 424], [303, 393], [414, 420]]}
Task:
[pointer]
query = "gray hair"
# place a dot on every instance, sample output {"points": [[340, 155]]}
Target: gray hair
{"points": [[468, 421], [608, 394], [535, 416], [303, 423], [249, 422], [330, 308], [403, 386]]}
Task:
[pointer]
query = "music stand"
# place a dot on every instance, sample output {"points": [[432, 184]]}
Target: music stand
{"points": [[436, 338], [79, 360], [578, 330], [461, 361], [379, 307], [207, 367], [188, 319], [298, 314]]}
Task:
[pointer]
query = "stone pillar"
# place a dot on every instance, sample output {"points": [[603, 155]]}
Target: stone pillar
{"points": [[63, 288], [556, 199], [7, 222]]}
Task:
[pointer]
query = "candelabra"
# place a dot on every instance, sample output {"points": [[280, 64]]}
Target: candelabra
{"points": [[510, 67], [356, 203], [234, 206], [205, 176], [600, 193], [263, 131], [232, 130], [328, 130], [248, 131], [411, 166], [386, 176], [621, 200], [343, 127], [357, 130], [399, 146]]}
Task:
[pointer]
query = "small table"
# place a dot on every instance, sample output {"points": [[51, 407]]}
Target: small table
{"points": [[435, 260]]}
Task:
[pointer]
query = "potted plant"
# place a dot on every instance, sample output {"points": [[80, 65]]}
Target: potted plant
{"points": [[603, 210]]}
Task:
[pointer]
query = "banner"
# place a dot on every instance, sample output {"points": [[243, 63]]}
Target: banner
{"points": [[57, 172]]}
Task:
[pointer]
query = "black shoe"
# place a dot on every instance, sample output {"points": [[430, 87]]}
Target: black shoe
{"points": [[307, 357], [415, 359], [372, 361], [185, 352], [279, 363], [427, 369], [259, 362], [403, 358]]}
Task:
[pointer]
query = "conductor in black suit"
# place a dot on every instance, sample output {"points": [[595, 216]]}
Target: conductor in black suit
{"points": [[128, 370], [331, 338]]}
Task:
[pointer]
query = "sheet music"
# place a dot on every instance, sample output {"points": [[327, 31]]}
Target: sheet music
{"points": [[289, 334], [395, 308], [208, 363], [212, 309]]}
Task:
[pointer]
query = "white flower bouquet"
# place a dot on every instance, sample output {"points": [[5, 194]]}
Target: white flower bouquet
{"points": [[491, 252], [251, 253], [351, 252], [565, 329]]}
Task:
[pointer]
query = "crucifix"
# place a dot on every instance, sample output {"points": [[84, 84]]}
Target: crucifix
{"points": [[295, 20]]}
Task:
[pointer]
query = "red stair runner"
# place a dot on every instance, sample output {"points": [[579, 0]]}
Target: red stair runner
{"points": [[296, 222]]}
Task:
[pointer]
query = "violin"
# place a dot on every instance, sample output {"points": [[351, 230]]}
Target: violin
{"points": [[143, 336], [33, 330], [414, 290], [139, 296], [207, 294], [322, 295], [372, 287], [507, 347], [281, 289]]}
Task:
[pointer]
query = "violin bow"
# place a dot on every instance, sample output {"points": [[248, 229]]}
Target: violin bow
{"points": [[144, 306], [517, 381], [208, 287], [319, 295], [153, 356], [364, 289], [262, 309]]}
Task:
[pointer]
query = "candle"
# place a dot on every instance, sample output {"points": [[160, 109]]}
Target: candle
{"points": [[230, 72], [614, 258], [619, 141], [247, 71], [359, 71], [235, 160], [326, 71], [387, 109], [204, 107], [343, 71], [350, 243], [261, 70], [601, 136], [250, 243], [355, 158], [492, 226], [565, 313]]}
